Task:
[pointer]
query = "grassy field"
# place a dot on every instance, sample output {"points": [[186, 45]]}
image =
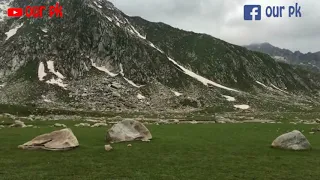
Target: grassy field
{"points": [[213, 151]]}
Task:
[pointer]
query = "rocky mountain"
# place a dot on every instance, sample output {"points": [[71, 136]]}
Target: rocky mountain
{"points": [[308, 60], [97, 58]]}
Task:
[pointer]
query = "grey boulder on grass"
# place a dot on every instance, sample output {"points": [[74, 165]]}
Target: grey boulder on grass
{"points": [[128, 130], [294, 140], [59, 140]]}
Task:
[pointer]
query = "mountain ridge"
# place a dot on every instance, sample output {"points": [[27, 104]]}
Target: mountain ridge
{"points": [[98, 58]]}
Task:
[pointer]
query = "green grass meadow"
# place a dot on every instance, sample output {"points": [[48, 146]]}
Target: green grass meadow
{"points": [[201, 151]]}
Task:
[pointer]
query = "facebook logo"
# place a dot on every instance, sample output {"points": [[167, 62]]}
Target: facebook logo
{"points": [[252, 12]]}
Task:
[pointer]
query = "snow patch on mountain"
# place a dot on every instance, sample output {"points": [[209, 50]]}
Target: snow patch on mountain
{"points": [[109, 18], [46, 99], [262, 84], [99, 6], [132, 83], [103, 69], [140, 96], [41, 71], [45, 30], [176, 93], [121, 70], [58, 82], [229, 98], [13, 31], [275, 87], [205, 81], [50, 65], [137, 33], [128, 80], [152, 45], [242, 106]]}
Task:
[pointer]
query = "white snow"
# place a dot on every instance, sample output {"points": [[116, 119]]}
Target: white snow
{"points": [[121, 70], [137, 33], [109, 18], [229, 98], [46, 99], [152, 45], [262, 84], [52, 70], [103, 69], [279, 89], [128, 80], [242, 106], [57, 82], [132, 83], [140, 96], [41, 71], [13, 31], [200, 78], [45, 30], [97, 4], [176, 93]]}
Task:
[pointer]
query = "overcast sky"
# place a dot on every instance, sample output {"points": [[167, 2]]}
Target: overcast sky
{"points": [[224, 19]]}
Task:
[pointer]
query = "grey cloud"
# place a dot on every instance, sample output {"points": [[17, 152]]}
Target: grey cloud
{"points": [[224, 19]]}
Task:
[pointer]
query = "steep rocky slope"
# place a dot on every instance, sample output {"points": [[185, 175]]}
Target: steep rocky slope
{"points": [[97, 58]]}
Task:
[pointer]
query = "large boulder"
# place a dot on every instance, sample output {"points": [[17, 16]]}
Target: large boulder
{"points": [[128, 130], [59, 140], [294, 140]]}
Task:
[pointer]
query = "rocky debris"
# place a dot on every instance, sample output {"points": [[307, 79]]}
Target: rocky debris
{"points": [[294, 140], [108, 147], [128, 130], [129, 145], [59, 140], [2, 126], [18, 123], [83, 125], [9, 116], [193, 122], [59, 125], [176, 121], [116, 118], [311, 132], [100, 125]]}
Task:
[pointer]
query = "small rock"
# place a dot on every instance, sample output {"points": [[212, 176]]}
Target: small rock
{"points": [[129, 145], [311, 132], [100, 125], [82, 125], [116, 94], [108, 147], [195, 122], [59, 125], [176, 121]]}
